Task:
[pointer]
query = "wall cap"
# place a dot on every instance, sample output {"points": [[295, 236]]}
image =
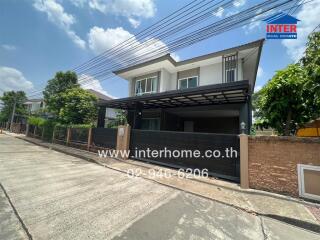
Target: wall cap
{"points": [[286, 139]]}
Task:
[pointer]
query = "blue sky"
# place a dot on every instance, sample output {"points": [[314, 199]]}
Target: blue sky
{"points": [[41, 37]]}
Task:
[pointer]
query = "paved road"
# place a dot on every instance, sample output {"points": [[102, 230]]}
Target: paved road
{"points": [[50, 195]]}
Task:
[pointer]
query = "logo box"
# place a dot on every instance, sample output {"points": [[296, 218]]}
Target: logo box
{"points": [[281, 26]]}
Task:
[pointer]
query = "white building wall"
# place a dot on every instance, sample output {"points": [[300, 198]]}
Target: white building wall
{"points": [[173, 81], [210, 74], [240, 71], [130, 93], [164, 81]]}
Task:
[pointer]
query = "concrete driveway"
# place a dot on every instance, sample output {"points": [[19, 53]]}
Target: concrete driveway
{"points": [[49, 195]]}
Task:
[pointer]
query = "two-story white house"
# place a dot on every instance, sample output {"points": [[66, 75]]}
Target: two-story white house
{"points": [[34, 105], [209, 93]]}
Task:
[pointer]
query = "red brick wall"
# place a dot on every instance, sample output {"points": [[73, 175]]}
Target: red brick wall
{"points": [[273, 162]]}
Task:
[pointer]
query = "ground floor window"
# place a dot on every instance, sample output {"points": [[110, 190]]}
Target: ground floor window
{"points": [[150, 124]]}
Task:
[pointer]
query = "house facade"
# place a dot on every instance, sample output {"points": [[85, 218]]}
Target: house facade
{"points": [[34, 105], [209, 93], [110, 113]]}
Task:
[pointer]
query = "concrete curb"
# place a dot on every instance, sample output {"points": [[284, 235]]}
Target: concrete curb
{"points": [[139, 164], [243, 203]]}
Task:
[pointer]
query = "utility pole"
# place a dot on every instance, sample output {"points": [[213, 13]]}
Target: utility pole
{"points": [[13, 112]]}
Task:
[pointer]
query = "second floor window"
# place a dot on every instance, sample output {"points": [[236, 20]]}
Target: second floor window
{"points": [[188, 82], [146, 85], [230, 68]]}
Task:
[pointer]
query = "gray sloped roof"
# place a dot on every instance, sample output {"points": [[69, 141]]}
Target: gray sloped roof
{"points": [[99, 95]]}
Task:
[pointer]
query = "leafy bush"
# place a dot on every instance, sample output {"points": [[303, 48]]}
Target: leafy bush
{"points": [[44, 126], [75, 125], [36, 121]]}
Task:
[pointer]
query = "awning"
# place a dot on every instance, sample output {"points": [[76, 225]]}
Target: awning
{"points": [[234, 92]]}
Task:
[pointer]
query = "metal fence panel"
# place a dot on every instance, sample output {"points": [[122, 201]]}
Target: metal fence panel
{"points": [[79, 135], [60, 133], [225, 167], [104, 137], [31, 130]]}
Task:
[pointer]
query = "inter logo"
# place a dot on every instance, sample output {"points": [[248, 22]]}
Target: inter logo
{"points": [[281, 26]]}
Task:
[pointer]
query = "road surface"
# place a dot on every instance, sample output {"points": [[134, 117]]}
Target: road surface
{"points": [[45, 194]]}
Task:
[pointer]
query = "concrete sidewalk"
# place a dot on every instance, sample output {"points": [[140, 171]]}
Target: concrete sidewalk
{"points": [[292, 211]]}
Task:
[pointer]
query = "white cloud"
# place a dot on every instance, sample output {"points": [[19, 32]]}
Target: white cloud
{"points": [[78, 3], [89, 82], [219, 12], [255, 21], [59, 17], [257, 88], [132, 9], [175, 56], [13, 79], [135, 23], [8, 47], [239, 3], [100, 40], [127, 8], [230, 13], [309, 16], [260, 72]]}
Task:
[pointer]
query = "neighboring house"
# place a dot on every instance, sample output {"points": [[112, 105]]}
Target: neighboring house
{"points": [[34, 105], [110, 114], [209, 93]]}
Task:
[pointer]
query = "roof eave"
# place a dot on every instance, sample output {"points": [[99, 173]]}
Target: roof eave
{"points": [[257, 43]]}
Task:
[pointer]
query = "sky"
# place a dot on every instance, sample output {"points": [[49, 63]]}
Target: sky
{"points": [[40, 37]]}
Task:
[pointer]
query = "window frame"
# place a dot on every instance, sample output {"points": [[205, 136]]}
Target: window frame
{"points": [[187, 78], [234, 75], [152, 118], [145, 88], [227, 58]]}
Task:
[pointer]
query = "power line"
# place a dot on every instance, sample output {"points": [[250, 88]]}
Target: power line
{"points": [[204, 3], [167, 30], [228, 29], [192, 39], [231, 21], [133, 37], [205, 30]]}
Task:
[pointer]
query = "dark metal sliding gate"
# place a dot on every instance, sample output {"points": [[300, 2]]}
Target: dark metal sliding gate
{"points": [[209, 145]]}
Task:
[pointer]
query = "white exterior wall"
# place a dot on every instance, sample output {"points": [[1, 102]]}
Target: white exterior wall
{"points": [[173, 81], [210, 74], [130, 87], [240, 72], [164, 81]]}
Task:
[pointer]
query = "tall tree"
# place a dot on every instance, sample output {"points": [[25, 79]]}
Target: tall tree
{"points": [[80, 107], [281, 103], [311, 63], [11, 100], [56, 87]]}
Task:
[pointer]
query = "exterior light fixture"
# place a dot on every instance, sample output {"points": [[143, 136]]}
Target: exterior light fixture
{"points": [[243, 127]]}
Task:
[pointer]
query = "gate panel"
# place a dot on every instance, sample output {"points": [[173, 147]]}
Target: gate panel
{"points": [[104, 137], [223, 166]]}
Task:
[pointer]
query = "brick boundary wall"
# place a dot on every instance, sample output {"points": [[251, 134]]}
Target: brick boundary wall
{"points": [[272, 162]]}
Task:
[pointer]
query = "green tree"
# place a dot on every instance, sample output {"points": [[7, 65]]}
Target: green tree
{"points": [[56, 87], [311, 64], [80, 107], [9, 99], [121, 117], [281, 103]]}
